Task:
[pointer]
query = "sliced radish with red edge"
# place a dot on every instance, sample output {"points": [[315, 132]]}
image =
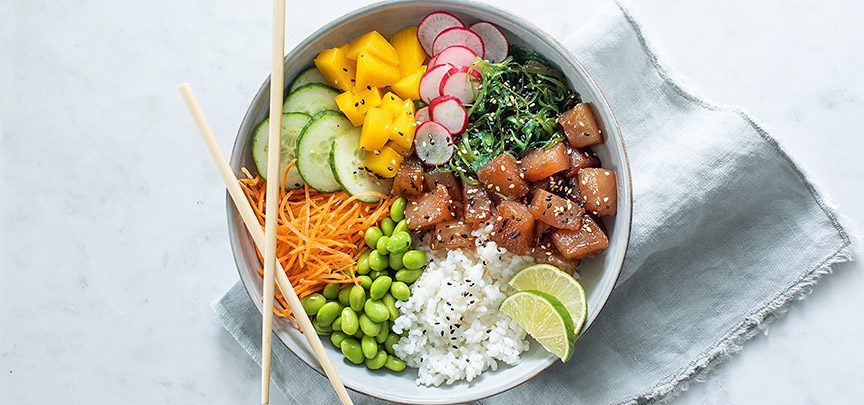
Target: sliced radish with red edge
{"points": [[461, 82], [422, 115], [430, 83], [496, 44], [456, 55], [449, 112], [432, 25], [433, 144], [458, 36]]}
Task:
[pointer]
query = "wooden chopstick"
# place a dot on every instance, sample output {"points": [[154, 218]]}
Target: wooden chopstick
{"points": [[272, 198], [257, 234]]}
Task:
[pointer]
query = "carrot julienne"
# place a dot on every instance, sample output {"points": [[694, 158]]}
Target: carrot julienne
{"points": [[318, 235]]}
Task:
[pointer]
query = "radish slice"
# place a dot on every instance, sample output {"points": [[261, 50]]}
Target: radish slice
{"points": [[456, 55], [449, 112], [422, 115], [494, 40], [458, 36], [461, 82], [430, 83], [433, 144], [432, 25]]}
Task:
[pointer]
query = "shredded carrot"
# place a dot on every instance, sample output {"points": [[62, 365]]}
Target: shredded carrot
{"points": [[318, 235]]}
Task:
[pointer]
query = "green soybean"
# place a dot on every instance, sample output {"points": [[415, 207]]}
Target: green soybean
{"points": [[350, 323], [344, 296], [381, 246], [357, 297], [396, 261], [400, 291], [369, 346], [401, 226], [400, 242], [387, 226], [377, 273], [394, 363], [328, 313], [397, 209], [368, 326], [391, 340], [372, 235], [408, 276], [390, 302], [381, 337], [331, 291], [378, 261], [321, 329], [337, 324], [312, 303], [378, 361], [359, 334], [365, 281], [380, 287], [414, 259], [363, 264], [337, 337], [352, 351], [376, 311]]}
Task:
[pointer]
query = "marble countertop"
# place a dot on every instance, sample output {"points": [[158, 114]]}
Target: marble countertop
{"points": [[113, 241]]}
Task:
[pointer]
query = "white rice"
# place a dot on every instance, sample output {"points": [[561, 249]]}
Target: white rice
{"points": [[455, 331]]}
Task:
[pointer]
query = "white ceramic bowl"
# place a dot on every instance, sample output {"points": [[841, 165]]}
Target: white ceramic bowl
{"points": [[597, 275]]}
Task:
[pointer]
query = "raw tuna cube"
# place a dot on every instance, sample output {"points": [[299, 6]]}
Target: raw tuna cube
{"points": [[429, 209], [452, 235], [478, 206], [547, 253], [541, 163], [580, 126], [502, 176], [598, 190], [409, 178], [580, 159], [585, 241], [513, 228], [447, 179], [555, 211]]}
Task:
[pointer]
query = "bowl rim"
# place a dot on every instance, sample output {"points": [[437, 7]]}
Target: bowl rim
{"points": [[626, 222]]}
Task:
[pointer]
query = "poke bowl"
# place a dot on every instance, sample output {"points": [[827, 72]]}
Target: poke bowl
{"points": [[314, 64]]}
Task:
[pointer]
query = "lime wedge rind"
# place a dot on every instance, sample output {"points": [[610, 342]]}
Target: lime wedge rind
{"points": [[551, 280], [545, 318]]}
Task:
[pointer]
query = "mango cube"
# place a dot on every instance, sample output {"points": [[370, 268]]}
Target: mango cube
{"points": [[411, 54], [355, 103], [336, 68], [374, 71], [384, 163], [376, 129], [403, 128], [391, 103], [408, 87], [374, 44]]}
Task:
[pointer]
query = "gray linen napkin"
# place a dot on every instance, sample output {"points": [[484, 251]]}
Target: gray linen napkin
{"points": [[726, 232]]}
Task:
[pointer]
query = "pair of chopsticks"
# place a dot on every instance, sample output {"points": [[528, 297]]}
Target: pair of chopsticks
{"points": [[273, 271]]}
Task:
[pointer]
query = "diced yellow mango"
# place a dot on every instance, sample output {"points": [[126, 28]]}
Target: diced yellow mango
{"points": [[374, 71], [355, 103], [408, 87], [344, 49], [368, 96], [376, 129], [399, 148], [384, 163], [411, 54], [403, 128], [374, 44], [391, 103], [336, 68]]}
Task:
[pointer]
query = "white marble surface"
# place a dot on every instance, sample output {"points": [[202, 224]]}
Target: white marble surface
{"points": [[112, 228]]}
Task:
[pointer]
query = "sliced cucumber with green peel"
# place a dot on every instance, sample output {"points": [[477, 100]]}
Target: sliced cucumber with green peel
{"points": [[311, 99], [346, 161], [314, 146], [292, 126], [310, 75]]}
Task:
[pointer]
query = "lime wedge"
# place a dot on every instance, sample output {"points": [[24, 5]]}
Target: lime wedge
{"points": [[544, 318], [550, 280]]}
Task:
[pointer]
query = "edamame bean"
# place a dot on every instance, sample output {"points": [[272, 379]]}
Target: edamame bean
{"points": [[414, 259], [378, 361], [372, 235], [400, 291], [381, 337], [381, 246], [391, 340], [397, 209], [377, 261], [369, 346], [400, 242], [387, 226], [359, 334], [394, 363], [368, 326], [337, 324], [376, 311], [396, 261], [390, 302], [377, 273], [344, 297], [363, 264], [331, 291], [312, 303], [365, 281], [350, 323], [328, 313], [357, 297], [401, 226], [352, 351], [408, 276], [337, 337], [321, 329], [379, 287]]}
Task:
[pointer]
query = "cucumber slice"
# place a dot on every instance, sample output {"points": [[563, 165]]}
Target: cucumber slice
{"points": [[310, 75], [311, 99], [313, 149], [346, 161], [292, 126]]}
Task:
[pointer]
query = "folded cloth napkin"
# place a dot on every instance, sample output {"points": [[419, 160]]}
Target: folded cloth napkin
{"points": [[726, 232]]}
